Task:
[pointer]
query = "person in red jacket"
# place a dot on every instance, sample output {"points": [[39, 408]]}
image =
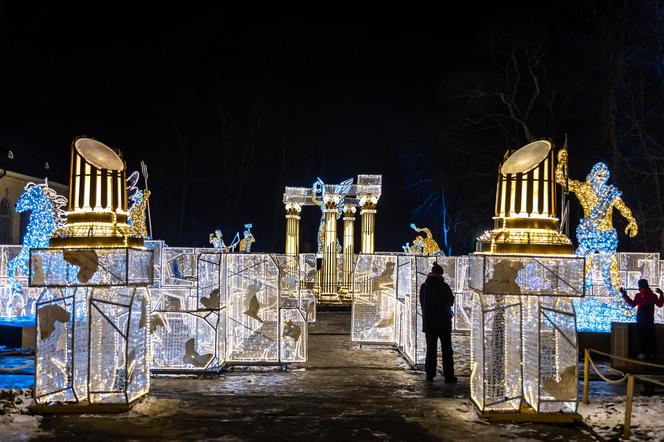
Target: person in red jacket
{"points": [[645, 302]]}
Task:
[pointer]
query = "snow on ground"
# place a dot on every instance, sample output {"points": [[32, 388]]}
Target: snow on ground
{"points": [[606, 415], [15, 424]]}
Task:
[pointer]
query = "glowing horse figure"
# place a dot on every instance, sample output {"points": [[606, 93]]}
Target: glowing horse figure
{"points": [[46, 215]]}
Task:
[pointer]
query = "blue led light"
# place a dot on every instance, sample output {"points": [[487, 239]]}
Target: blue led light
{"points": [[46, 215]]}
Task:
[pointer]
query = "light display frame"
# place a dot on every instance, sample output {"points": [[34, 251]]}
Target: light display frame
{"points": [[102, 326], [395, 306], [513, 284]]}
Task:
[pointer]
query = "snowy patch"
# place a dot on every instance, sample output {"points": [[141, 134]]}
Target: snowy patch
{"points": [[606, 416], [16, 425]]}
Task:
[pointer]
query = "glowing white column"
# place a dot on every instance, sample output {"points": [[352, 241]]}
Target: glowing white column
{"points": [[329, 277], [293, 229], [368, 214], [349, 246]]}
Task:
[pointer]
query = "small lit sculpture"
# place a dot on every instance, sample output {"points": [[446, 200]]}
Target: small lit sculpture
{"points": [[247, 240], [595, 232], [139, 205], [319, 193], [46, 215], [426, 246], [217, 240]]}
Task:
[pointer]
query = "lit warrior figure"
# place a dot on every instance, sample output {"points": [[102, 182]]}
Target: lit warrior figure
{"points": [[595, 232]]}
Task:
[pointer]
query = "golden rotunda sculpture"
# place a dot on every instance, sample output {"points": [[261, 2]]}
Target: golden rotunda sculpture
{"points": [[525, 220], [97, 214]]}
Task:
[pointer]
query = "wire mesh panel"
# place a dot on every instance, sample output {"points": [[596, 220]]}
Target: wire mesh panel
{"points": [[308, 289], [61, 365], [501, 341], [374, 297], [293, 335], [523, 340], [186, 338], [477, 352], [178, 267], [557, 376], [118, 345], [21, 299], [252, 290], [92, 337]]}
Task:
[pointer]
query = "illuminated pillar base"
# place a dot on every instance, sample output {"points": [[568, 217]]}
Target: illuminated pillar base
{"points": [[93, 335]]}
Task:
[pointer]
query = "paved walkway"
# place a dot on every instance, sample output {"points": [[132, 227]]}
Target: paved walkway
{"points": [[344, 393]]}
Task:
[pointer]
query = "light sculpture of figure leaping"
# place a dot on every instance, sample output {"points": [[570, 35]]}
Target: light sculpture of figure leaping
{"points": [[595, 232]]}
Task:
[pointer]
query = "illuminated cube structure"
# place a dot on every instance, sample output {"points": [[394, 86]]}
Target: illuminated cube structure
{"points": [[599, 308], [523, 340], [386, 307], [92, 326], [188, 312], [212, 309]]}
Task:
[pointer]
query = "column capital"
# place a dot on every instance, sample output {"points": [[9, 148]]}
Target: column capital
{"points": [[368, 202], [349, 212], [293, 208], [330, 201]]}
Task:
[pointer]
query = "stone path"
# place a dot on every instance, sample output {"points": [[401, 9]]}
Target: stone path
{"points": [[345, 392]]}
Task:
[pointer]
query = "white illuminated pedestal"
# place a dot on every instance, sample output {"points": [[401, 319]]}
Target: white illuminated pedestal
{"points": [[523, 340], [93, 325]]}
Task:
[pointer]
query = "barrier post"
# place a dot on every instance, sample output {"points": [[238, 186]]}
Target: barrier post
{"points": [[628, 406], [586, 375]]}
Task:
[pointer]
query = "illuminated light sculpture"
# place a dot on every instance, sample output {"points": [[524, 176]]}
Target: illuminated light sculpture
{"points": [[386, 307], [332, 284], [189, 325], [217, 240], [136, 216], [97, 215], [247, 239], [46, 215], [524, 277], [599, 308], [93, 318], [426, 246], [238, 309], [525, 218], [595, 233]]}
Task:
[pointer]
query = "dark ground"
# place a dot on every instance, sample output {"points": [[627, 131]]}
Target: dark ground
{"points": [[345, 393]]}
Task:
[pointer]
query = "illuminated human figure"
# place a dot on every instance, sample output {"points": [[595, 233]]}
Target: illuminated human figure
{"points": [[136, 216], [248, 240], [217, 240], [595, 232], [137, 211]]}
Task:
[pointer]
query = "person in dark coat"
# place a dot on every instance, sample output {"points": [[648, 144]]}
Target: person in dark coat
{"points": [[436, 300], [645, 302]]}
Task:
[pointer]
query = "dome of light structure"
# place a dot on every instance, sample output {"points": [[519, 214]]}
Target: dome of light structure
{"points": [[97, 212], [525, 220]]}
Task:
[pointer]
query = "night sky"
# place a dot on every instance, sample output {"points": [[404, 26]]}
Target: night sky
{"points": [[228, 107]]}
